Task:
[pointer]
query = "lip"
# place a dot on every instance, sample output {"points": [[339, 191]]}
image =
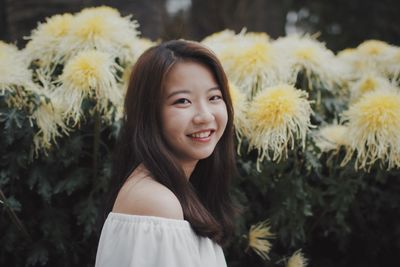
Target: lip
{"points": [[204, 130], [204, 139]]}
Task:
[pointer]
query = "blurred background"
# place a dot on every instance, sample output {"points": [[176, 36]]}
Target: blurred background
{"points": [[339, 23]]}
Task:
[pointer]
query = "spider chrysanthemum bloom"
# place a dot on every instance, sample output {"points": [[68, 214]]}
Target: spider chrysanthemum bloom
{"points": [[392, 63], [297, 260], [252, 63], [369, 82], [50, 121], [218, 41], [373, 127], [90, 74], [13, 69], [278, 116], [331, 137], [352, 64], [373, 48], [258, 239], [240, 104], [46, 39], [306, 54], [139, 46], [103, 29], [371, 55], [15, 77]]}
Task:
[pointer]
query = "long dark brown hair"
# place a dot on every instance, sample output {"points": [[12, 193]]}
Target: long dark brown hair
{"points": [[205, 200]]}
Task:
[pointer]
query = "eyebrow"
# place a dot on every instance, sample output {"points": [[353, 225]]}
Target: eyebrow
{"points": [[188, 92]]}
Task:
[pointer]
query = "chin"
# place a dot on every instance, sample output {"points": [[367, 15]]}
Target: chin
{"points": [[207, 155]]}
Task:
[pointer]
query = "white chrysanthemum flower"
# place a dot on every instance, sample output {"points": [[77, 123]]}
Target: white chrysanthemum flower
{"points": [[331, 137], [352, 65], [371, 55], [15, 77], [90, 74], [240, 105], [50, 121], [13, 69], [297, 260], [368, 82], [252, 63], [139, 46], [312, 57], [219, 41], [373, 48], [373, 129], [277, 117], [46, 39], [258, 239], [103, 29], [392, 62]]}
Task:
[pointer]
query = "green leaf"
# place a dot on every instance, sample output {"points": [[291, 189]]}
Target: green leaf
{"points": [[38, 255], [77, 179], [13, 203]]}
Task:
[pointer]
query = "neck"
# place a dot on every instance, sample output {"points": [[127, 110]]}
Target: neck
{"points": [[188, 168]]}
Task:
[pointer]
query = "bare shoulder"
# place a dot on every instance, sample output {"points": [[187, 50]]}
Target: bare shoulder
{"points": [[149, 198]]}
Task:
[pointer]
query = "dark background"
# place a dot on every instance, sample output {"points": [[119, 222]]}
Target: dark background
{"points": [[341, 23]]}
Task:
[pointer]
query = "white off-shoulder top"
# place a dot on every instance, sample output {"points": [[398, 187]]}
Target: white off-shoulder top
{"points": [[147, 241]]}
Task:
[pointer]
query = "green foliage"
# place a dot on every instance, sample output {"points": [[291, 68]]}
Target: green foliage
{"points": [[50, 202]]}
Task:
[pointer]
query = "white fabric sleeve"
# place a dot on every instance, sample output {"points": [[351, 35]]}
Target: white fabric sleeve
{"points": [[147, 241]]}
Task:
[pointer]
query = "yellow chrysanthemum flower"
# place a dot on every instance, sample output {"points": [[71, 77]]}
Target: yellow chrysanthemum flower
{"points": [[13, 70], [369, 82], [89, 74], [141, 45], [331, 137], [277, 116], [15, 76], [373, 47], [297, 260], [138, 47], [373, 127], [305, 53], [219, 41], [351, 63], [45, 41], [252, 63], [392, 63], [258, 239], [371, 55], [103, 29], [240, 104], [50, 121]]}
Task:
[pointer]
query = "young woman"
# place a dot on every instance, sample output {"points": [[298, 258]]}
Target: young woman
{"points": [[174, 162]]}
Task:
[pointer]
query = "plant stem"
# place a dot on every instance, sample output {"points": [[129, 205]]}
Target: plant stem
{"points": [[14, 216], [96, 141]]}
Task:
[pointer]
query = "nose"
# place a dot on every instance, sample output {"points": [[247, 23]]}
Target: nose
{"points": [[203, 116]]}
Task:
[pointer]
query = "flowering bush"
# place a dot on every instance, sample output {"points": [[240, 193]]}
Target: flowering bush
{"points": [[318, 149]]}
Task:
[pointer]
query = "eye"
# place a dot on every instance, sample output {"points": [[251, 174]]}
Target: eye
{"points": [[216, 98], [182, 101]]}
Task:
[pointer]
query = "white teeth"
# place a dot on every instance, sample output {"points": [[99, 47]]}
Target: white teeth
{"points": [[201, 135]]}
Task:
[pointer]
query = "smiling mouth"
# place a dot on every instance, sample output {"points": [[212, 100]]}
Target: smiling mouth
{"points": [[202, 135]]}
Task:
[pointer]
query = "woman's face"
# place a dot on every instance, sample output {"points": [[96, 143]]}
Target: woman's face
{"points": [[193, 112]]}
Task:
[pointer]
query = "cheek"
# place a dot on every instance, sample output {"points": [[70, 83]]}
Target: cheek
{"points": [[222, 118], [174, 121]]}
